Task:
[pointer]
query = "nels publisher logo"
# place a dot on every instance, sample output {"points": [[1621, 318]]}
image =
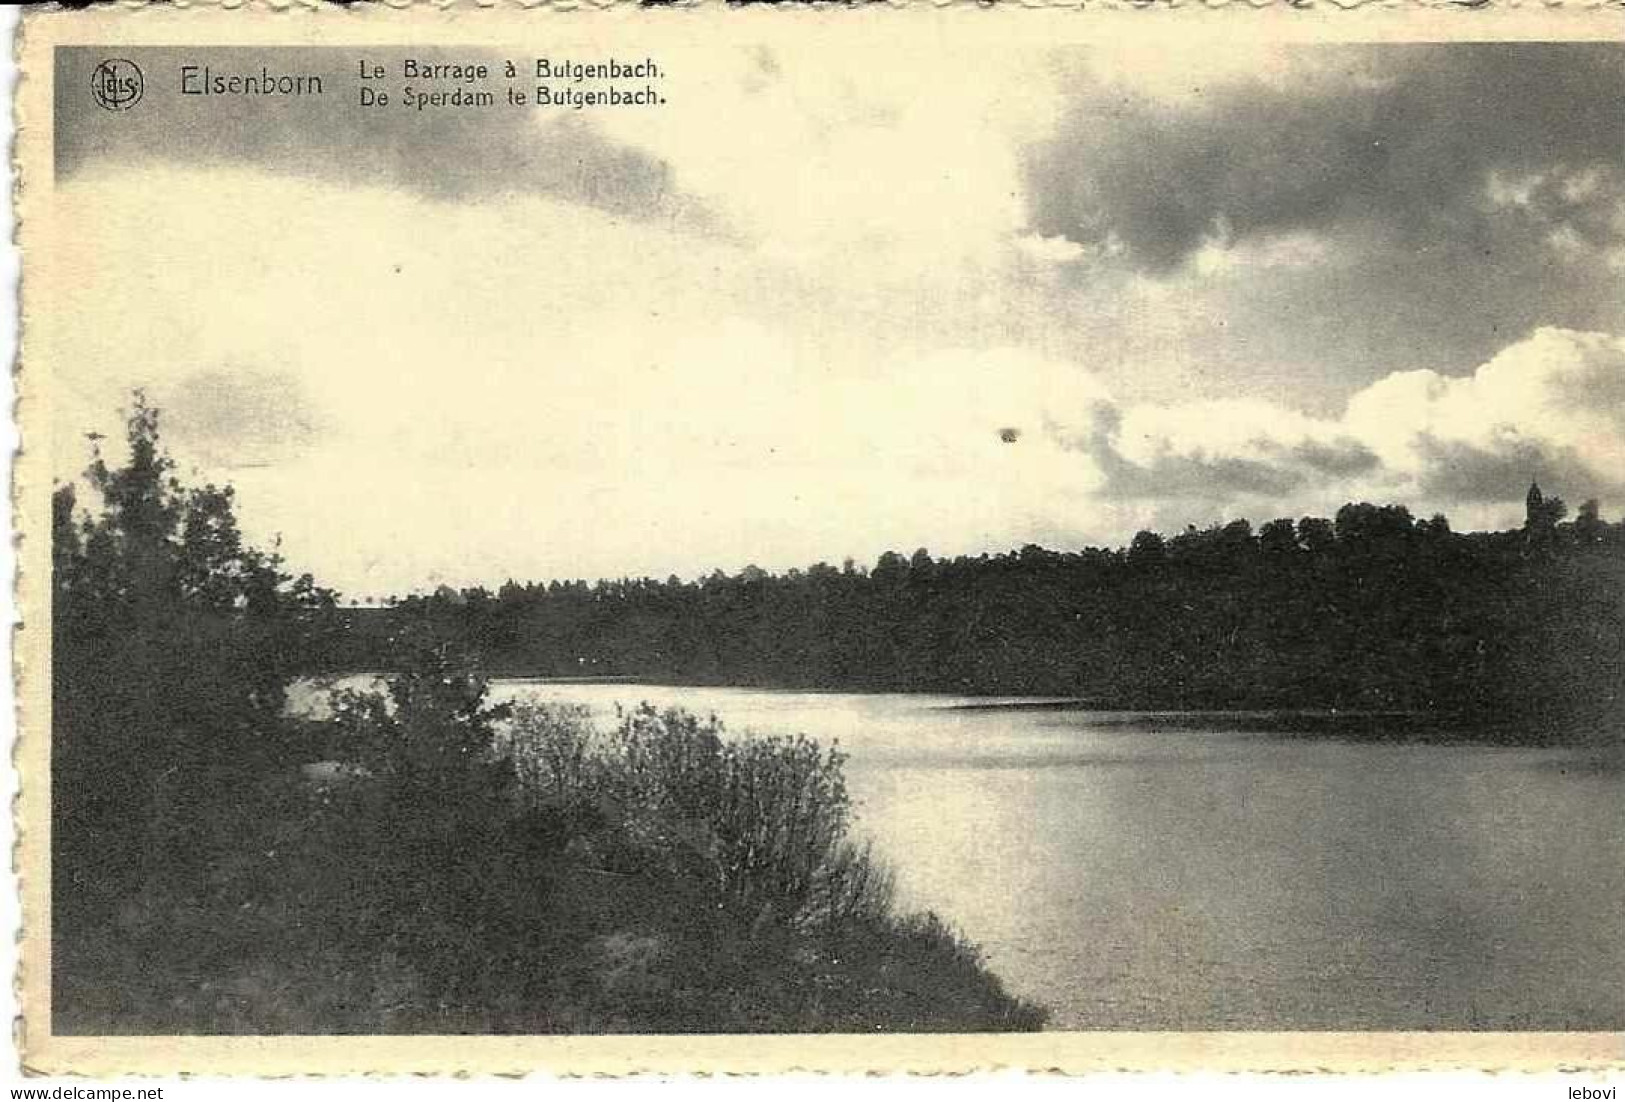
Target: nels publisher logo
{"points": [[117, 84]]}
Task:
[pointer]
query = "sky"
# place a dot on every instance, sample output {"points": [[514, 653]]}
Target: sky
{"points": [[806, 310]]}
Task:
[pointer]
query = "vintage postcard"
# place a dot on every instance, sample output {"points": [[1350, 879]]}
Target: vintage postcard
{"points": [[856, 539]]}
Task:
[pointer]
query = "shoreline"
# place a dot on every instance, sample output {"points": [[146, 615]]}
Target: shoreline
{"points": [[1397, 725]]}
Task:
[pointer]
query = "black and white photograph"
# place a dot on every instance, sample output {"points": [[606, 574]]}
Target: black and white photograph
{"points": [[684, 528]]}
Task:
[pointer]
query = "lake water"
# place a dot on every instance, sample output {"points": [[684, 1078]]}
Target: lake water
{"points": [[1130, 873]]}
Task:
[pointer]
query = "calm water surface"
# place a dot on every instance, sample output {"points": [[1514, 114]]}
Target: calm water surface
{"points": [[1132, 876]]}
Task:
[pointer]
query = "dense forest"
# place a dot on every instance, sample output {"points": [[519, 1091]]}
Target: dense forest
{"points": [[1368, 611], [462, 867]]}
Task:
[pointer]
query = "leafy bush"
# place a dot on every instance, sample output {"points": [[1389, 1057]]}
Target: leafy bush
{"points": [[172, 642], [765, 816], [553, 750], [759, 826], [853, 888]]}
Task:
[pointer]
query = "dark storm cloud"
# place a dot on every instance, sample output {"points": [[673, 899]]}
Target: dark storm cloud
{"points": [[1391, 147], [1341, 458], [1194, 476], [1274, 469], [1458, 471], [446, 153]]}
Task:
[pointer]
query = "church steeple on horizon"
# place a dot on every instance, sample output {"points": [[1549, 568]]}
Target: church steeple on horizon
{"points": [[1533, 503]]}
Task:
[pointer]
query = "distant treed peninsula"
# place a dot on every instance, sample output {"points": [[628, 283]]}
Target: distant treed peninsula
{"points": [[1371, 610]]}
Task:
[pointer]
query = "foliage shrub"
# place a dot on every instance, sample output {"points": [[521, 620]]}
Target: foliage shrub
{"points": [[765, 817], [657, 874], [172, 643]]}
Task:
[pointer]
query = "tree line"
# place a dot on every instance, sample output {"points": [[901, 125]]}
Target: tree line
{"points": [[1369, 610]]}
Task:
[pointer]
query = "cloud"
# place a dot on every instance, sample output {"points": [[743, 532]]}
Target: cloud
{"points": [[473, 415], [1578, 212], [543, 371], [1393, 147], [239, 418], [1218, 452], [1549, 406], [896, 220], [449, 155], [1310, 219], [895, 176], [595, 437], [1459, 470], [644, 418], [1342, 457], [1546, 407]]}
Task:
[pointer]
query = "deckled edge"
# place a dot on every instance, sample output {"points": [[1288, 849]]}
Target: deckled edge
{"points": [[1217, 1052], [16, 639], [797, 8]]}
